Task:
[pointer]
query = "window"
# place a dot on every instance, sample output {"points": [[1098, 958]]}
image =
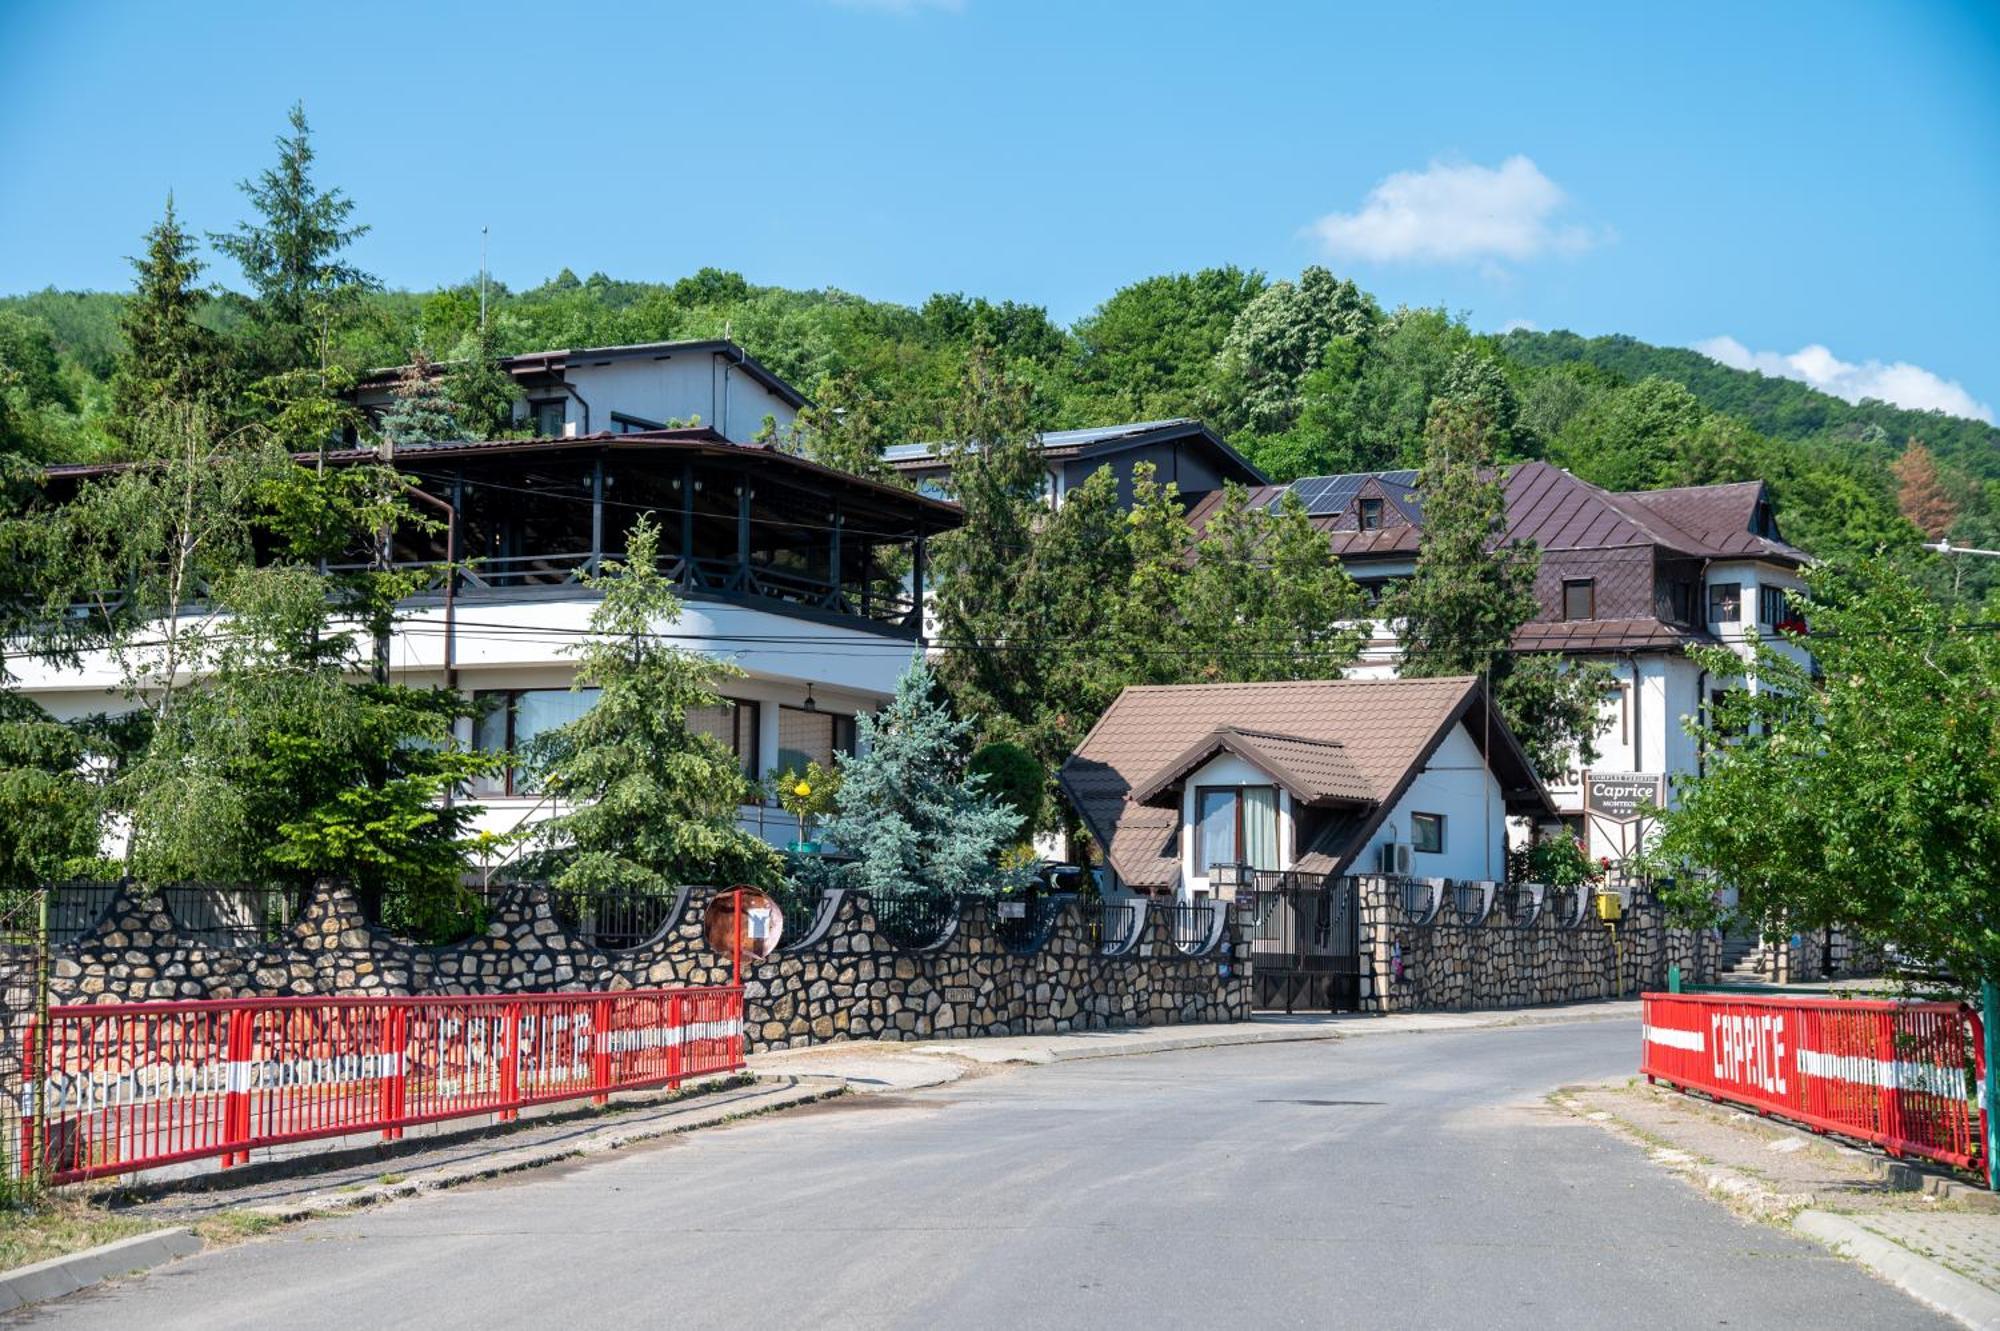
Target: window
{"points": [[1681, 601], [1235, 825], [1371, 515], [511, 718], [1765, 523], [812, 737], [1771, 607], [1725, 602], [735, 724], [548, 416], [1579, 598], [623, 424], [1427, 833]]}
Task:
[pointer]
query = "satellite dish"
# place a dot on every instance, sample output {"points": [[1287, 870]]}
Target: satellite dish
{"points": [[746, 919]]}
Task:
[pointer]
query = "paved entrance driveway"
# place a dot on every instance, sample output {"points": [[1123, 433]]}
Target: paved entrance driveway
{"points": [[1401, 1181]]}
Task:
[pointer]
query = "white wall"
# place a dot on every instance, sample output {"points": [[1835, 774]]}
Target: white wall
{"points": [[677, 386], [1226, 769], [1458, 784]]}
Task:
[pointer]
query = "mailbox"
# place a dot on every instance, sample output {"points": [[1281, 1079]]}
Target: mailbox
{"points": [[1610, 907]]}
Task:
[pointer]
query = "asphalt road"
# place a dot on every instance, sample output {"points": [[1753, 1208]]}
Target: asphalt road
{"points": [[1393, 1181]]}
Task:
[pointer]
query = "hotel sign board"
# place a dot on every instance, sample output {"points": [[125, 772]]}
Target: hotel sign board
{"points": [[1623, 797]]}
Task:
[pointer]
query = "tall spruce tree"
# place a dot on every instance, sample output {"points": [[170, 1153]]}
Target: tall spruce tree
{"points": [[167, 355], [1471, 590], [845, 426], [292, 258]]}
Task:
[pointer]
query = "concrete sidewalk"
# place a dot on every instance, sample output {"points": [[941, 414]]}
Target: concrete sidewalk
{"points": [[1935, 1236], [874, 1066]]}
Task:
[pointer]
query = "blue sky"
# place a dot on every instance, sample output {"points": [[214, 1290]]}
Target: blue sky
{"points": [[1818, 183]]}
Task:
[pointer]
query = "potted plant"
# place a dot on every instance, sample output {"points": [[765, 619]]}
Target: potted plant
{"points": [[807, 796]]}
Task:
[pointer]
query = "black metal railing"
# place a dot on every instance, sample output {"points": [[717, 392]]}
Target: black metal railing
{"points": [[1188, 924], [915, 921], [1111, 926], [214, 914], [1473, 900], [615, 917], [1024, 923]]}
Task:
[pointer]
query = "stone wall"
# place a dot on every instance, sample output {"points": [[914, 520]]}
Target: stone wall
{"points": [[1451, 965], [845, 980], [1805, 956]]}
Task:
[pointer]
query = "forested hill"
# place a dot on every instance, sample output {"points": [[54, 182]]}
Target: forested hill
{"points": [[1785, 408], [1306, 376]]}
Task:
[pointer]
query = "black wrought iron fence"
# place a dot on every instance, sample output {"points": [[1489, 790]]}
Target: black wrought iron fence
{"points": [[617, 917], [217, 914], [1189, 924], [1111, 925], [916, 920], [1024, 923]]}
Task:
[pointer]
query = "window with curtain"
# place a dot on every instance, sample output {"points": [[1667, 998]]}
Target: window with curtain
{"points": [[510, 720], [1236, 825]]}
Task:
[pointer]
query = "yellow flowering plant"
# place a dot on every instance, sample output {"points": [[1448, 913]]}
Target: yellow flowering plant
{"points": [[807, 794]]}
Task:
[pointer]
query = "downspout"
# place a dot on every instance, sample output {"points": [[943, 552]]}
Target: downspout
{"points": [[570, 388]]}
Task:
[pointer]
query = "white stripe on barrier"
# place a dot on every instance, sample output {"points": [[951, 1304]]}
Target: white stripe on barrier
{"points": [[1860, 1070], [1674, 1038]]}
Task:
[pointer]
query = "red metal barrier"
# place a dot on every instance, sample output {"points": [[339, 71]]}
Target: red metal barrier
{"points": [[139, 1085], [1905, 1076]]}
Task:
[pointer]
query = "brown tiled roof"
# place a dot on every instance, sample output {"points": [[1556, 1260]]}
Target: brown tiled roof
{"points": [[1717, 517], [1312, 771], [1606, 635], [1384, 730]]}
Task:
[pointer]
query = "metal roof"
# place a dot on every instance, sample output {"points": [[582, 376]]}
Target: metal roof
{"points": [[1084, 441], [526, 362]]}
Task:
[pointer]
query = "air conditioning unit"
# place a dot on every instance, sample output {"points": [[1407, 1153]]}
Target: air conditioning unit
{"points": [[1396, 859]]}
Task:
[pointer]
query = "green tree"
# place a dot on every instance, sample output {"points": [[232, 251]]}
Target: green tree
{"points": [[1636, 438], [49, 807], [1863, 792], [646, 802], [1279, 339], [484, 392], [167, 355], [1471, 590], [421, 411], [292, 258], [280, 767], [844, 426], [909, 810], [1146, 353], [1015, 779]]}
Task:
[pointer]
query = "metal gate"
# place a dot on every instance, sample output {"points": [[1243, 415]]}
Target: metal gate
{"points": [[1305, 947]]}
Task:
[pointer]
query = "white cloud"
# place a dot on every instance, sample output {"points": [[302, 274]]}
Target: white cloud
{"points": [[903, 6], [1900, 382], [1458, 212]]}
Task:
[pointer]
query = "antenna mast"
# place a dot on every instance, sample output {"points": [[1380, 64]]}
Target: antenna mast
{"points": [[482, 279]]}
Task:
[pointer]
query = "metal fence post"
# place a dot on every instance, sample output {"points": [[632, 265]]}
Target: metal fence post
{"points": [[236, 1100], [676, 1040], [395, 1072], [1989, 1007], [600, 1063], [510, 1065]]}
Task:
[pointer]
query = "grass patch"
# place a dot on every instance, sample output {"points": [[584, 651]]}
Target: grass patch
{"points": [[234, 1226], [60, 1226]]}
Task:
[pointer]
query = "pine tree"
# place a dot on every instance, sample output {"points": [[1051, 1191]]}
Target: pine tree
{"points": [[649, 803], [908, 809], [484, 392], [167, 355], [1921, 495], [292, 258], [422, 411], [1471, 590], [845, 426]]}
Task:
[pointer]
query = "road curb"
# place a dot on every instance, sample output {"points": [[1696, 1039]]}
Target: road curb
{"points": [[75, 1271], [525, 1158], [1922, 1279]]}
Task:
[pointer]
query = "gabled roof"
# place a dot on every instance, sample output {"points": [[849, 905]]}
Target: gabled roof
{"points": [[1312, 771], [1553, 509], [1383, 731], [530, 363], [1100, 441]]}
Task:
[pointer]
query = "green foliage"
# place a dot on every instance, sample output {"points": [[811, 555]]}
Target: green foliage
{"points": [[1148, 352], [645, 801], [280, 767], [1279, 339], [484, 393], [421, 410], [1559, 861], [168, 354], [1014, 778], [844, 426], [1864, 793], [1458, 612], [807, 795], [49, 807], [917, 820], [292, 259]]}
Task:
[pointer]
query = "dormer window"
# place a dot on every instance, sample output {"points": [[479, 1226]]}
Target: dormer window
{"points": [[1765, 522], [1371, 515]]}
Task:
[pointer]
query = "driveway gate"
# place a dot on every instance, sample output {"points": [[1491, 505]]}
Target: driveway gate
{"points": [[1306, 941]]}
